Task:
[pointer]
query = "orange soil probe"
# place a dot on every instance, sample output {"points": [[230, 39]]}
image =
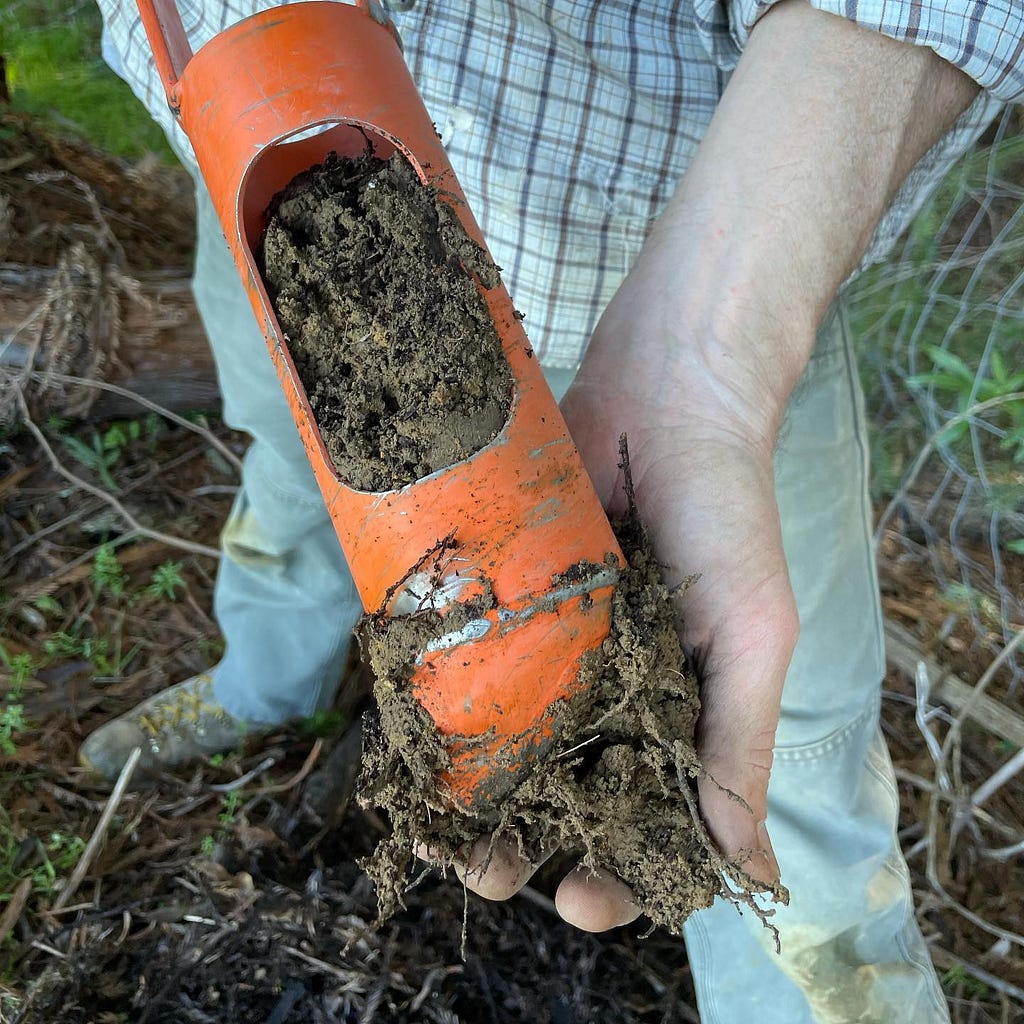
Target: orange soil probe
{"points": [[521, 513]]}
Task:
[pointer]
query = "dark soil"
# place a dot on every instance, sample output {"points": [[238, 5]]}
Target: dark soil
{"points": [[375, 284], [617, 787]]}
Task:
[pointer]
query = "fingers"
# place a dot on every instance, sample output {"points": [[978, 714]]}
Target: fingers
{"points": [[736, 734], [496, 870], [592, 901], [595, 901], [739, 831]]}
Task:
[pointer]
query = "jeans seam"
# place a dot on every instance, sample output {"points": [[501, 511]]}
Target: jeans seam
{"points": [[860, 433], [704, 987], [891, 864], [836, 739]]}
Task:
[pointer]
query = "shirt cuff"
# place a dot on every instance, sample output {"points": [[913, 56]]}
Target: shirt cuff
{"points": [[984, 39]]}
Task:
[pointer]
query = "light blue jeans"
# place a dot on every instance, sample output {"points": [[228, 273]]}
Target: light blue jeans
{"points": [[851, 950]]}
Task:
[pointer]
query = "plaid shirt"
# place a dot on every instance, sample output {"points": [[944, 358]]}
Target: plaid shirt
{"points": [[569, 123]]}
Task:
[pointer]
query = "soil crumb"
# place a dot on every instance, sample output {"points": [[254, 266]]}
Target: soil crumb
{"points": [[618, 786], [374, 282]]}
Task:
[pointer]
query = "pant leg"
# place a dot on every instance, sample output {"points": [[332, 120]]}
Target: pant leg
{"points": [[284, 597], [851, 949]]}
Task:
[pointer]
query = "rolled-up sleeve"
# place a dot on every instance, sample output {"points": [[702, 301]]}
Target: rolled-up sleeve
{"points": [[984, 38]]}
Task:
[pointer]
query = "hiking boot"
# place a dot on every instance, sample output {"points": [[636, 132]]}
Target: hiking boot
{"points": [[180, 724]]}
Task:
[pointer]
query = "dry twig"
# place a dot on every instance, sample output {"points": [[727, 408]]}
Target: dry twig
{"points": [[99, 833], [115, 389], [307, 767], [951, 741], [135, 527]]}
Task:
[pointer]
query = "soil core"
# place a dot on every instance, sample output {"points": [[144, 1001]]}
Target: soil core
{"points": [[618, 787], [374, 282]]}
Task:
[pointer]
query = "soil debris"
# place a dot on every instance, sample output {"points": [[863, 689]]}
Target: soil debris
{"points": [[618, 786], [375, 284]]}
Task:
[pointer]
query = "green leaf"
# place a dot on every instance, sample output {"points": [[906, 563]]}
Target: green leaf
{"points": [[107, 572], [941, 381], [953, 364], [952, 433], [80, 451], [165, 581], [998, 367], [49, 605]]}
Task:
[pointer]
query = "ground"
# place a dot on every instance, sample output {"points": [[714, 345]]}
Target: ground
{"points": [[224, 894]]}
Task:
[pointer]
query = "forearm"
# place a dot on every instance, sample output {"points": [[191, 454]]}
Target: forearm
{"points": [[816, 130]]}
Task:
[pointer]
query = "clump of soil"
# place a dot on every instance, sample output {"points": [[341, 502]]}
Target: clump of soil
{"points": [[374, 282], [618, 786]]}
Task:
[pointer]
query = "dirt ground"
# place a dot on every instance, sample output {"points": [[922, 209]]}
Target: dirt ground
{"points": [[229, 893]]}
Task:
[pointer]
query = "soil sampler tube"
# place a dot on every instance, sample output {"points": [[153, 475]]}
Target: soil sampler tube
{"points": [[518, 521]]}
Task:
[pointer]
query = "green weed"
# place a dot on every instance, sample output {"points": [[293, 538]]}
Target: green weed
{"points": [[95, 457], [946, 312], [12, 721], [229, 806], [59, 855], [104, 450], [956, 981], [44, 865], [954, 382], [20, 669], [217, 760], [108, 575], [48, 605], [323, 724], [106, 654], [62, 644], [165, 581]]}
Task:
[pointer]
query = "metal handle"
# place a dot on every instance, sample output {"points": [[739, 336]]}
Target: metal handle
{"points": [[167, 39]]}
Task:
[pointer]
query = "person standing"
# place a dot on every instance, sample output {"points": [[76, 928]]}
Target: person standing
{"points": [[677, 192]]}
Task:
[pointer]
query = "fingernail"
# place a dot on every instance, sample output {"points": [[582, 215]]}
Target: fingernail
{"points": [[765, 843]]}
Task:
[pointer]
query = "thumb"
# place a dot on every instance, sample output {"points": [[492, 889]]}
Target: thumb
{"points": [[741, 696]]}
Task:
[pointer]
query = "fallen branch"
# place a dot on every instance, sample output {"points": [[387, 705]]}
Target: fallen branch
{"points": [[307, 767], [903, 651], [15, 906], [146, 403], [134, 525], [952, 740]]}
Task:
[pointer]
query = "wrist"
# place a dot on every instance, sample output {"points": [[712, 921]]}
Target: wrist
{"points": [[693, 346]]}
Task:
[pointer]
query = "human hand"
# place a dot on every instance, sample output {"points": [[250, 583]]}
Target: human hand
{"points": [[696, 357], [701, 461]]}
